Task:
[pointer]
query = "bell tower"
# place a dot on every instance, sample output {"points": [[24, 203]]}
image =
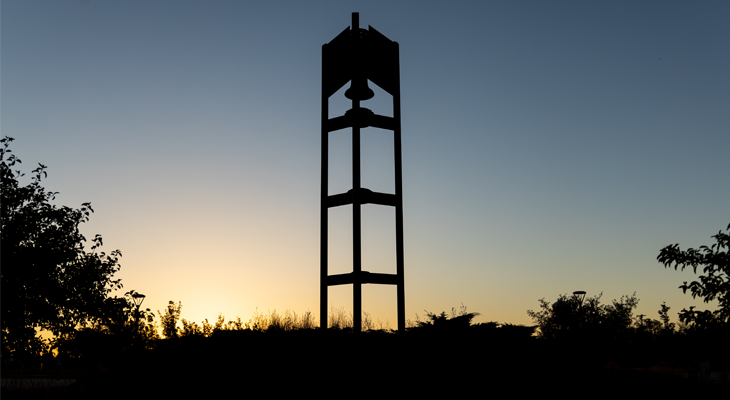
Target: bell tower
{"points": [[357, 56]]}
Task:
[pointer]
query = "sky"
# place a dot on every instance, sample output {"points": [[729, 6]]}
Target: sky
{"points": [[548, 147]]}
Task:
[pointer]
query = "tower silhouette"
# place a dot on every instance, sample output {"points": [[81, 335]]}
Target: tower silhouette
{"points": [[356, 56]]}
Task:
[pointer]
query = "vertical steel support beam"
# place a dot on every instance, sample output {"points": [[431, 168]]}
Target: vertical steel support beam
{"points": [[356, 209], [400, 270], [323, 212]]}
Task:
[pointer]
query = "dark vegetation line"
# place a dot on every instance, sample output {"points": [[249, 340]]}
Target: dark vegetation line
{"points": [[50, 280]]}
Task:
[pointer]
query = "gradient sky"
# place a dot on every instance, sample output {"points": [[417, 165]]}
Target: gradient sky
{"points": [[547, 147]]}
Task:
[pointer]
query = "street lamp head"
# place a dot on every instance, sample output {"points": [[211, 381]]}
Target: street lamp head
{"points": [[138, 299], [579, 295]]}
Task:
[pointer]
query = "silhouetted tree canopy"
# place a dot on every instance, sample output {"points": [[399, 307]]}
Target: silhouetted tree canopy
{"points": [[568, 318], [49, 279], [714, 284], [169, 319], [123, 329]]}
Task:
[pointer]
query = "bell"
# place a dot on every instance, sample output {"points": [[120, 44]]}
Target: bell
{"points": [[359, 90]]}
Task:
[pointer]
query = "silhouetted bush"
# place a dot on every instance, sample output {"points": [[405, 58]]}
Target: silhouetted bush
{"points": [[567, 318], [443, 323]]}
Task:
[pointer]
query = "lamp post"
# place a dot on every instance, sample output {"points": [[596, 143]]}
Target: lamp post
{"points": [[579, 296], [138, 298]]}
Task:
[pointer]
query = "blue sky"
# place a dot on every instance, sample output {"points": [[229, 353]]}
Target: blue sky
{"points": [[547, 146]]}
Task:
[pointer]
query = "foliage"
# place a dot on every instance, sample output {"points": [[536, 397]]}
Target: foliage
{"points": [[664, 317], [657, 328], [141, 323], [338, 319], [554, 318], [715, 284], [122, 329], [284, 322], [516, 331], [170, 318], [462, 320], [49, 280], [568, 318], [307, 321], [207, 328], [190, 329], [121, 315], [271, 322]]}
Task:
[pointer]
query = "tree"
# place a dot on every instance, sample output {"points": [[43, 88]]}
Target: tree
{"points": [[667, 327], [48, 279], [190, 329], [660, 328], [120, 330], [568, 318], [170, 318], [715, 284]]}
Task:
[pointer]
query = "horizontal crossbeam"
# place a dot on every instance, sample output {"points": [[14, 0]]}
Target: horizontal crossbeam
{"points": [[366, 196], [365, 277]]}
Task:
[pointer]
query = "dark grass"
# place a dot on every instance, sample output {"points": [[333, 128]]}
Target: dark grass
{"points": [[338, 363]]}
